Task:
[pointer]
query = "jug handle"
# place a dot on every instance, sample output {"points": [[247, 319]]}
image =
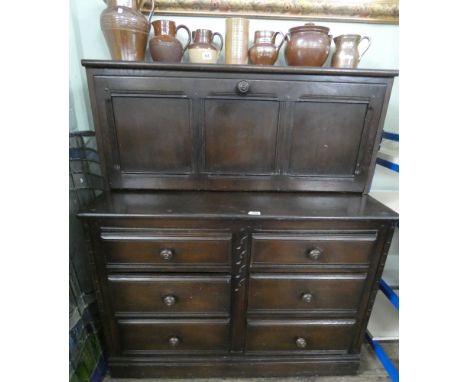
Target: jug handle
{"points": [[142, 2], [368, 45], [188, 33], [220, 40], [282, 40]]}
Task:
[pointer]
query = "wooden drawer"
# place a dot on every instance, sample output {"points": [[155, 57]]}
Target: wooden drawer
{"points": [[173, 336], [170, 249], [276, 292], [299, 335], [166, 295], [270, 249]]}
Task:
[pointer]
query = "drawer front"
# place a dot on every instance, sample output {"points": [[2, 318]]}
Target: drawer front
{"points": [[173, 336], [300, 335], [169, 250], [305, 292], [166, 295], [312, 249]]}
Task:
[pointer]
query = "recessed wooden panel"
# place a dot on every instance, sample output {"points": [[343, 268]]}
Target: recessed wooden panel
{"points": [[153, 134], [147, 336], [326, 138], [240, 136], [281, 335], [286, 291], [190, 294]]}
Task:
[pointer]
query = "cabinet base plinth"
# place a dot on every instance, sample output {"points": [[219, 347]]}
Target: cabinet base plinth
{"points": [[233, 367]]}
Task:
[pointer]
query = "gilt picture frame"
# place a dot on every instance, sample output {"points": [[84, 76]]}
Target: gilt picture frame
{"points": [[368, 11]]}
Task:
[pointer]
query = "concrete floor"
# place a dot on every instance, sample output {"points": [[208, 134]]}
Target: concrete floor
{"points": [[371, 370]]}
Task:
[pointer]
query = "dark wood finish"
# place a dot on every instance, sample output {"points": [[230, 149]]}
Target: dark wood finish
{"points": [[240, 136], [170, 127], [167, 249], [324, 292], [240, 271], [299, 335], [169, 295], [291, 249], [228, 366], [162, 122], [319, 154], [348, 288], [237, 205], [196, 280], [373, 286], [224, 68], [145, 336]]}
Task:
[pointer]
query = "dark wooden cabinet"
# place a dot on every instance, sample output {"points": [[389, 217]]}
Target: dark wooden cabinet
{"points": [[189, 126], [236, 237]]}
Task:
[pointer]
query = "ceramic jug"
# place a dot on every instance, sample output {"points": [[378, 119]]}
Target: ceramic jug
{"points": [[307, 45], [203, 50], [126, 29], [164, 46], [347, 50], [264, 50]]}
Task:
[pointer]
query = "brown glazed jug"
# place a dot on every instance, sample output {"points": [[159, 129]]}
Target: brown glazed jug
{"points": [[126, 29], [347, 50], [307, 45], [203, 50], [264, 50], [164, 46]]}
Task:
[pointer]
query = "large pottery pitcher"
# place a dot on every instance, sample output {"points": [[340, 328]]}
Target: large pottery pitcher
{"points": [[126, 29], [347, 50], [164, 46]]}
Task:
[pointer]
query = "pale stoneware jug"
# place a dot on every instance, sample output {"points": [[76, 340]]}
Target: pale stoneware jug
{"points": [[347, 50], [203, 50]]}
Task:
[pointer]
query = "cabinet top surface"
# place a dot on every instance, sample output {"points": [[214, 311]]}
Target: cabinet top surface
{"points": [[107, 64], [248, 205]]}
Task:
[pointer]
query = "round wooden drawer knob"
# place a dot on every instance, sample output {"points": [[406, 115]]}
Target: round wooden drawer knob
{"points": [[166, 254], [243, 87], [169, 300], [174, 341], [314, 253], [301, 342], [307, 297]]}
